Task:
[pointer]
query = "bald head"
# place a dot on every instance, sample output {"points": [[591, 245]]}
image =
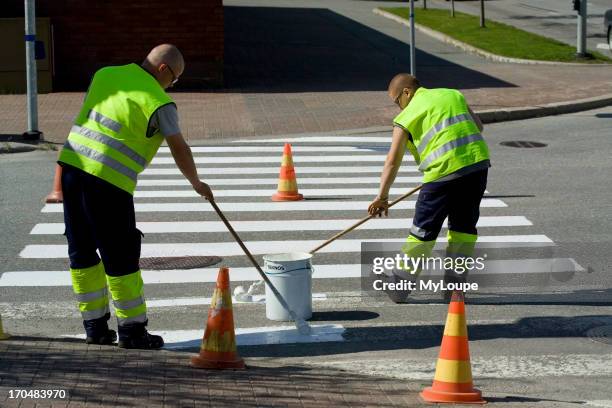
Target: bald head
{"points": [[403, 84], [165, 62]]}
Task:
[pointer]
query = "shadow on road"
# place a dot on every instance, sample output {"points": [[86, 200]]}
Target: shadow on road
{"points": [[385, 338], [275, 49]]}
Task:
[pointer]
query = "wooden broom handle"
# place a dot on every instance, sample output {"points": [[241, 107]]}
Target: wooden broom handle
{"points": [[363, 220]]}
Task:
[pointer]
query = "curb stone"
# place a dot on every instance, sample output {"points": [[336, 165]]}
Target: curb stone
{"points": [[16, 147], [475, 50]]}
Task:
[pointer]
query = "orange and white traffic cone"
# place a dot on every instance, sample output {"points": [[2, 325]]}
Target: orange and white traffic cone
{"points": [[287, 183], [453, 378], [218, 349], [3, 335], [56, 196]]}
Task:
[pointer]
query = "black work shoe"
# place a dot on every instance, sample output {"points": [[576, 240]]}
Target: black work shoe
{"points": [[144, 341], [397, 296], [108, 338], [452, 277]]}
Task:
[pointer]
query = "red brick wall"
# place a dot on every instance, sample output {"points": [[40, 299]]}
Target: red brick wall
{"points": [[89, 34]]}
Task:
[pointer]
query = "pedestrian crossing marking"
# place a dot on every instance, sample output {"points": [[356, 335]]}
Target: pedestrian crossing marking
{"points": [[269, 226], [544, 266], [216, 171], [337, 206], [277, 159], [243, 166], [230, 248], [273, 181]]}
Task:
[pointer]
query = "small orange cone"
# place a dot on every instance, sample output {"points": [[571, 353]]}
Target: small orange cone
{"points": [[218, 349], [56, 195], [287, 183], [453, 378], [3, 334]]}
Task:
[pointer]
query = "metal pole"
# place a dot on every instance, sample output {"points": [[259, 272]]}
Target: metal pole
{"points": [[30, 41], [412, 35], [452, 8], [582, 29], [482, 14], [424, 4]]}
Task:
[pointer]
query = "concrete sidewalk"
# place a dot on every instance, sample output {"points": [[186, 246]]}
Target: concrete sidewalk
{"points": [[321, 66]]}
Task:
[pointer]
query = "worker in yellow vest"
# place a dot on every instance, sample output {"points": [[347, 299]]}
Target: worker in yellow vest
{"points": [[126, 115], [443, 134]]}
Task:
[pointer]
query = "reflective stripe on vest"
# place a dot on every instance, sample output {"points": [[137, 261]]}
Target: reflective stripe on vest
{"points": [[104, 121], [101, 158], [447, 147], [110, 142], [439, 127], [109, 139]]}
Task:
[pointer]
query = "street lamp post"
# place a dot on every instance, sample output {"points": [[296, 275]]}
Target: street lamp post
{"points": [[582, 29], [30, 42], [482, 14], [412, 36]]}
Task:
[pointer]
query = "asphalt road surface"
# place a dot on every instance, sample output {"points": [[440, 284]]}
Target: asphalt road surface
{"points": [[532, 341]]}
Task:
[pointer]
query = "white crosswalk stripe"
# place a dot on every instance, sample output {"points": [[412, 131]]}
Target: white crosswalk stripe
{"points": [[264, 247], [294, 225], [273, 181], [276, 160], [338, 175], [215, 170], [337, 206]]}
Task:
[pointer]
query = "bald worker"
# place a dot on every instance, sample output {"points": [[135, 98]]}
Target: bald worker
{"points": [[443, 134], [126, 115]]}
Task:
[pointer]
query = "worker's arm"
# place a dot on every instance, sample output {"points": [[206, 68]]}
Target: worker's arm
{"points": [[184, 160], [476, 119], [390, 169]]}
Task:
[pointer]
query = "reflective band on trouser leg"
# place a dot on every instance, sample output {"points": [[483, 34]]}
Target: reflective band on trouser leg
{"points": [[416, 248], [89, 285], [460, 243], [128, 298]]}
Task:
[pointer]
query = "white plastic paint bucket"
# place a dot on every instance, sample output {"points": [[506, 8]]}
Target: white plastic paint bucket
{"points": [[291, 275]]}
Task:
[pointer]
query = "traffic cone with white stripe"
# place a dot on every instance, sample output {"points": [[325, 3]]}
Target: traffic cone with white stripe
{"points": [[453, 378], [56, 195], [218, 349], [3, 335], [287, 183]]}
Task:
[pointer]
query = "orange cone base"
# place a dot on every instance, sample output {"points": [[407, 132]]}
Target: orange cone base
{"points": [[55, 197], [200, 362], [287, 197], [474, 397]]}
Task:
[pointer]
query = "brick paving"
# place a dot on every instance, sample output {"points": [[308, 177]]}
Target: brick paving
{"points": [[104, 376]]}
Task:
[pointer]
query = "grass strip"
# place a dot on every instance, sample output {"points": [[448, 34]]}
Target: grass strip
{"points": [[496, 38]]}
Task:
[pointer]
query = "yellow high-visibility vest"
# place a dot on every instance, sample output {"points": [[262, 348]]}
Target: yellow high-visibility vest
{"points": [[109, 138]]}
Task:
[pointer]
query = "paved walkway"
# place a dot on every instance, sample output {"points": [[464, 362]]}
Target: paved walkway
{"points": [[321, 66], [103, 376]]}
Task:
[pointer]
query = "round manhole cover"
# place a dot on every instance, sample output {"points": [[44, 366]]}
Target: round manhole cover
{"points": [[601, 334], [523, 144], [179, 262]]}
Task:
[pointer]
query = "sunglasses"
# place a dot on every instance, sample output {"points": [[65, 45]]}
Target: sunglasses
{"points": [[174, 77]]}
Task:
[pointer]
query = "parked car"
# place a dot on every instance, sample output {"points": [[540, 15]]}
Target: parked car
{"points": [[608, 27]]}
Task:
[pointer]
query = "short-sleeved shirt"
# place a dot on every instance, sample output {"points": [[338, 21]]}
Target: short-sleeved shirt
{"points": [[165, 120]]}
